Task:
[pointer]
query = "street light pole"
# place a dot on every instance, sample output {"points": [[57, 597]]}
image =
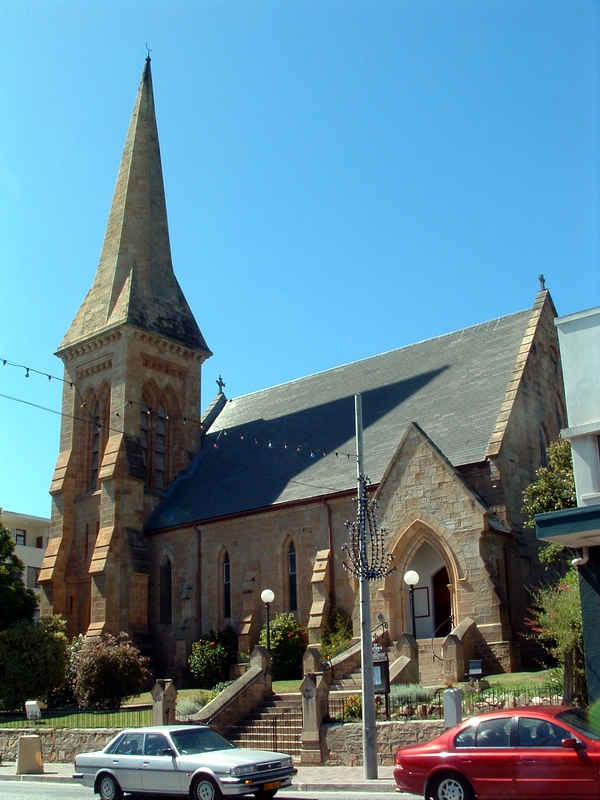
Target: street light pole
{"points": [[267, 596], [411, 579], [368, 698], [367, 561]]}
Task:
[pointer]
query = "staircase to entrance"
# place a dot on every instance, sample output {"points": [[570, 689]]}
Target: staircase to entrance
{"points": [[274, 725]]}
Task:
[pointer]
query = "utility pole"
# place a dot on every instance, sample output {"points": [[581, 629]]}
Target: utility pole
{"points": [[367, 561], [366, 651]]}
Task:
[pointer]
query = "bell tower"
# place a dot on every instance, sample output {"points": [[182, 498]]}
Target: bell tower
{"points": [[132, 359]]}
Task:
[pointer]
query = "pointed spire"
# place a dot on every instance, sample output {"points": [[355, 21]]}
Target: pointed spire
{"points": [[135, 282]]}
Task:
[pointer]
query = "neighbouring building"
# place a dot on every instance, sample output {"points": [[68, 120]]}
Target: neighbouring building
{"points": [[168, 523], [31, 537], [579, 339]]}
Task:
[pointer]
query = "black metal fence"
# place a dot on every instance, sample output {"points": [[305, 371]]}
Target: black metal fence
{"points": [[424, 704], [81, 718]]}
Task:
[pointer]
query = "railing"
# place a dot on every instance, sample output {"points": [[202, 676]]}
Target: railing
{"points": [[81, 718], [423, 703], [280, 733]]}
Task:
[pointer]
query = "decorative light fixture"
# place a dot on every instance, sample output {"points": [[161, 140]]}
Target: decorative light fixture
{"points": [[365, 552], [267, 596], [411, 579]]}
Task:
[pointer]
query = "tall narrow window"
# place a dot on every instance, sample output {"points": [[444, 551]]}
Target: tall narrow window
{"points": [[166, 579], [292, 577], [226, 587], [154, 439], [160, 448], [98, 409]]}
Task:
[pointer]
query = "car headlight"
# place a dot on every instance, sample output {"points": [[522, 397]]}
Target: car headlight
{"points": [[246, 769]]}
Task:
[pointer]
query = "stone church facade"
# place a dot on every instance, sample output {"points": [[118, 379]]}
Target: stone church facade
{"points": [[167, 523]]}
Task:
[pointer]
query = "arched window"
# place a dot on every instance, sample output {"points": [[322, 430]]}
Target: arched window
{"points": [[154, 439], [166, 582], [292, 587], [98, 410], [226, 587]]}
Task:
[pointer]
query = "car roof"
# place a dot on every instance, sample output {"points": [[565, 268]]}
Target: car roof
{"points": [[165, 728], [521, 711]]}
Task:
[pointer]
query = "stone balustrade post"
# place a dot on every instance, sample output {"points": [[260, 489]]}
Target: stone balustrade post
{"points": [[164, 698]]}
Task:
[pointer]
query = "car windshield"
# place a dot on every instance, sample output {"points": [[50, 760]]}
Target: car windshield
{"points": [[199, 740], [577, 718]]}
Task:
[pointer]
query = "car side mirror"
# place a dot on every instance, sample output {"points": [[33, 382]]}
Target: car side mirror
{"points": [[571, 743], [167, 751]]}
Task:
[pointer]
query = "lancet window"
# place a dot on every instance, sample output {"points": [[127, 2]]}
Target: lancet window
{"points": [[156, 429], [292, 586]]}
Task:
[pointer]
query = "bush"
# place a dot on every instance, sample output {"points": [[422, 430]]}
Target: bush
{"points": [[187, 707], [208, 662], [33, 658], [106, 670], [288, 643], [353, 707], [412, 693], [338, 634]]}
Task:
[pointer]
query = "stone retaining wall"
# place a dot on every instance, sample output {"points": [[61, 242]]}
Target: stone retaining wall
{"points": [[342, 742], [58, 744]]}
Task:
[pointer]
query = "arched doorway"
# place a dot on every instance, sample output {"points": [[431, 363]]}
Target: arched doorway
{"points": [[442, 603], [432, 595]]}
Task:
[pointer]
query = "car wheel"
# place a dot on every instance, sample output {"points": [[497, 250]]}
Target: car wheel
{"points": [[451, 786], [262, 795], [108, 788], [205, 788]]}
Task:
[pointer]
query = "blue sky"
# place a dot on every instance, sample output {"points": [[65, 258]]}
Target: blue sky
{"points": [[342, 178]]}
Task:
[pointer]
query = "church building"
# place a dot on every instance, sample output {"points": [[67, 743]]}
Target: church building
{"points": [[168, 522]]}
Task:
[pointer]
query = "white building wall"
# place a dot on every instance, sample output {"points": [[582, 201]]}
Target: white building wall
{"points": [[579, 340]]}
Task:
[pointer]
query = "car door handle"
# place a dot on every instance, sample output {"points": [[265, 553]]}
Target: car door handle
{"points": [[528, 762]]}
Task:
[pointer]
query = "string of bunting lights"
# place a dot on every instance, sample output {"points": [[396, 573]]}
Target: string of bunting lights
{"points": [[219, 438]]}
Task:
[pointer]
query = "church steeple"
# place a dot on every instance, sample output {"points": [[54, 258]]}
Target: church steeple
{"points": [[135, 282]]}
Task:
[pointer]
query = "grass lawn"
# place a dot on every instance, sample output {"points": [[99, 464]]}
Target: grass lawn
{"points": [[522, 680]]}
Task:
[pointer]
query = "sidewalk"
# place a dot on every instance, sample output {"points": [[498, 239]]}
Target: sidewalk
{"points": [[311, 779]]}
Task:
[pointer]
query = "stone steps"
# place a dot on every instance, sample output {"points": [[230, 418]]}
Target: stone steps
{"points": [[274, 725]]}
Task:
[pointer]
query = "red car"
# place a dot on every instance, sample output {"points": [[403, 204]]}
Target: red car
{"points": [[522, 753]]}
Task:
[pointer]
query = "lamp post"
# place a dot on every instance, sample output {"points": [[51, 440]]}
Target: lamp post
{"points": [[411, 578], [267, 596], [367, 561]]}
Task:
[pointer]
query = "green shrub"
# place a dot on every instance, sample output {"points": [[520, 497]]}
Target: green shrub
{"points": [[33, 658], [106, 670], [208, 662], [288, 643], [412, 692], [353, 707], [338, 634], [187, 706]]}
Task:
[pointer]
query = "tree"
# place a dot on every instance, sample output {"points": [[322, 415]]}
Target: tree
{"points": [[556, 614], [17, 603], [557, 623], [107, 669], [32, 660], [553, 490]]}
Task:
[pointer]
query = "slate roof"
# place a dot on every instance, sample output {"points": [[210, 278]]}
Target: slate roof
{"points": [[452, 386]]}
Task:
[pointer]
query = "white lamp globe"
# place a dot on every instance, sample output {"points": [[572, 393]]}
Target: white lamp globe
{"points": [[411, 578], [267, 596]]}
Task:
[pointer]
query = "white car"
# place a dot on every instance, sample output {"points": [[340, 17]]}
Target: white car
{"points": [[190, 760]]}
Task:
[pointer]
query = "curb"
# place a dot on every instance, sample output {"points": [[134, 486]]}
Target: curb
{"points": [[48, 777], [45, 777]]}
